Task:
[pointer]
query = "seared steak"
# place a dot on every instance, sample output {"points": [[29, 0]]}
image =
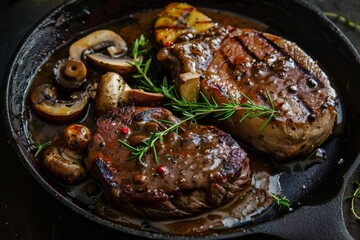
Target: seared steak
{"points": [[199, 168], [234, 61]]}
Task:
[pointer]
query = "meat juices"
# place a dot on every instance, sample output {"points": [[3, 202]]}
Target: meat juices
{"points": [[234, 61], [199, 168]]}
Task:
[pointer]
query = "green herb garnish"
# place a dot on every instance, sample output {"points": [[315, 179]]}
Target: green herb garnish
{"points": [[139, 152], [355, 196], [342, 19], [282, 202], [40, 146], [190, 110]]}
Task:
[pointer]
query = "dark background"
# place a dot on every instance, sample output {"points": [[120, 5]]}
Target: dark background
{"points": [[27, 211]]}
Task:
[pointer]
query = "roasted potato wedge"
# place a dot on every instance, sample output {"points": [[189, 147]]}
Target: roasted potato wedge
{"points": [[179, 19]]}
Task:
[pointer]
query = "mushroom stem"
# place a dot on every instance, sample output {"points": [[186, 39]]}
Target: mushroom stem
{"points": [[142, 98], [75, 69], [69, 74]]}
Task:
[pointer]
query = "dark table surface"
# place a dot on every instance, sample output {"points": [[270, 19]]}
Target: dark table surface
{"points": [[27, 211]]}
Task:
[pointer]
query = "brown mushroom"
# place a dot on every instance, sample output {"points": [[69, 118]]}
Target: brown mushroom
{"points": [[45, 102], [115, 46], [96, 40], [77, 137], [69, 73], [113, 91], [64, 164], [141, 98], [75, 69], [112, 88], [123, 66]]}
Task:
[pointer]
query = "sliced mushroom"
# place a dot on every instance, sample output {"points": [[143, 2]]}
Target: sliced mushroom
{"points": [[123, 66], [45, 102], [96, 40], [114, 91], [188, 85], [69, 73], [64, 164], [91, 89], [77, 137]]}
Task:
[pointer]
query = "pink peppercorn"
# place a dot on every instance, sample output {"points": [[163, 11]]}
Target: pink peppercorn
{"points": [[162, 170], [124, 130]]}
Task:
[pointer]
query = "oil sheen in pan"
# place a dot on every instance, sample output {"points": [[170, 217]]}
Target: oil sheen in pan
{"points": [[251, 202]]}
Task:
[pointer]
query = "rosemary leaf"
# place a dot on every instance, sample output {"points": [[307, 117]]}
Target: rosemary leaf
{"points": [[282, 202], [40, 146], [146, 66], [342, 19], [355, 196]]}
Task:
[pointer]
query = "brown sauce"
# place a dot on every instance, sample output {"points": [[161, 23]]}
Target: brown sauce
{"points": [[249, 204]]}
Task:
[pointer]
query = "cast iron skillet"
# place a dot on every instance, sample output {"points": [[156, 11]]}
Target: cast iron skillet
{"points": [[318, 208]]}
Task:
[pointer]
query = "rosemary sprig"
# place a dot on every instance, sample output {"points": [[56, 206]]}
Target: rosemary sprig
{"points": [[355, 196], [180, 104], [282, 202], [342, 19], [184, 106], [40, 146], [191, 110], [138, 48], [193, 113], [139, 152]]}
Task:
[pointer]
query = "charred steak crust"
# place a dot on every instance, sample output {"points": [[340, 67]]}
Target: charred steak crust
{"points": [[200, 168], [251, 62]]}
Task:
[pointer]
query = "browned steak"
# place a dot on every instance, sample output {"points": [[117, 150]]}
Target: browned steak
{"points": [[234, 61], [199, 168]]}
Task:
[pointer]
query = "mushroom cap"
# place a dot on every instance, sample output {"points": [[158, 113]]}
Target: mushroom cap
{"points": [[98, 39], [112, 88], [77, 137], [64, 164], [45, 102]]}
